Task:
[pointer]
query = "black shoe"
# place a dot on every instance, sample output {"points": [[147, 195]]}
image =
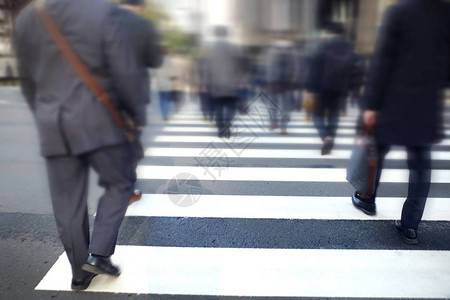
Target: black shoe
{"points": [[327, 145], [82, 283], [367, 206], [100, 265], [409, 235]]}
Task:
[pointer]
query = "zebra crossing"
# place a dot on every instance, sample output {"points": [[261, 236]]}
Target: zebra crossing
{"points": [[266, 215]]}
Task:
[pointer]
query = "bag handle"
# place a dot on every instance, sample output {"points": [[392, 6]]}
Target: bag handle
{"points": [[77, 64]]}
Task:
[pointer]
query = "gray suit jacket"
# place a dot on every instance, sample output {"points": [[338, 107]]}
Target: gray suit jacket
{"points": [[222, 75], [145, 42], [70, 120]]}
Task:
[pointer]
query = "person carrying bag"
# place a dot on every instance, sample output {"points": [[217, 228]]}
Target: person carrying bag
{"points": [[121, 118]]}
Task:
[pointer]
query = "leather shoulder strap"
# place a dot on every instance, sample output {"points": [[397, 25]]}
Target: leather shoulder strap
{"points": [[77, 64]]}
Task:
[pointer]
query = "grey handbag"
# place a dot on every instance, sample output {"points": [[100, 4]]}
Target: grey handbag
{"points": [[362, 166]]}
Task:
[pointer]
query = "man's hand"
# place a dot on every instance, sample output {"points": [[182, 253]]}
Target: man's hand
{"points": [[370, 118]]}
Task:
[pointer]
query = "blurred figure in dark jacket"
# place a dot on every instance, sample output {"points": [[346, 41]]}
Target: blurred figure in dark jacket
{"points": [[329, 82], [403, 101], [280, 78], [76, 131], [145, 43]]}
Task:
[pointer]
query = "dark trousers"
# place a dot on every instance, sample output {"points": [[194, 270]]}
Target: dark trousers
{"points": [[207, 106], [419, 165], [68, 178], [225, 111], [280, 108], [326, 114]]}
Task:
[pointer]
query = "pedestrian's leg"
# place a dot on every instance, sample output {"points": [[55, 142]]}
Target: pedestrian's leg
{"points": [[230, 112], [273, 107], [220, 122], [211, 108], [68, 178], [164, 100], [365, 202], [318, 118], [332, 119], [231, 108], [419, 164], [203, 105], [286, 106], [112, 165]]}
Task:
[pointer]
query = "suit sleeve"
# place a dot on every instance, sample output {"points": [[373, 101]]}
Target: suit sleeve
{"points": [[154, 51], [383, 61], [126, 77]]}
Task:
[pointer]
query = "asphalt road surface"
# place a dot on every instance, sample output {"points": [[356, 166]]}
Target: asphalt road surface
{"points": [[258, 215]]}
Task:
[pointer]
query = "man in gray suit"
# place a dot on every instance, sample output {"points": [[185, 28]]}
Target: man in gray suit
{"points": [[222, 78], [76, 131]]}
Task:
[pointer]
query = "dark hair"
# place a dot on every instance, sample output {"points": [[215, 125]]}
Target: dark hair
{"points": [[132, 2]]}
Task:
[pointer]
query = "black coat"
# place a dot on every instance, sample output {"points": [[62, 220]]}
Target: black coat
{"points": [[409, 71]]}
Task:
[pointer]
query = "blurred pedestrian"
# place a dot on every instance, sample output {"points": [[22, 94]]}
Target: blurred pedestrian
{"points": [[328, 83], [77, 131], [403, 100], [145, 43], [281, 71], [207, 105], [164, 77], [170, 83], [223, 78]]}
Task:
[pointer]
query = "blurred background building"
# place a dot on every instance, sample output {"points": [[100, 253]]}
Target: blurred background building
{"points": [[251, 22]]}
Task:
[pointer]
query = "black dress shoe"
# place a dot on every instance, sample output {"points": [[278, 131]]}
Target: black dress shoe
{"points": [[82, 283], [100, 265], [367, 206], [409, 235], [327, 145]]}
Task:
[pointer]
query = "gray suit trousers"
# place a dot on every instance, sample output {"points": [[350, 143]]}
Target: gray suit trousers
{"points": [[68, 178]]}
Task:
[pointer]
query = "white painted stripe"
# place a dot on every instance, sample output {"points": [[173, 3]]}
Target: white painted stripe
{"points": [[258, 119], [274, 153], [251, 123], [277, 207], [255, 130], [268, 272], [247, 140], [262, 130], [272, 174], [4, 102]]}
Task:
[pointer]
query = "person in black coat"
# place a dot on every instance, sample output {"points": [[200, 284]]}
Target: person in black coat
{"points": [[403, 99], [328, 83]]}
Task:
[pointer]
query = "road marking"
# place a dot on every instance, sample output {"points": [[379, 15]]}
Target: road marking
{"points": [[274, 153], [311, 130], [279, 207], [250, 122], [273, 174], [4, 102], [247, 140], [268, 272], [256, 130]]}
